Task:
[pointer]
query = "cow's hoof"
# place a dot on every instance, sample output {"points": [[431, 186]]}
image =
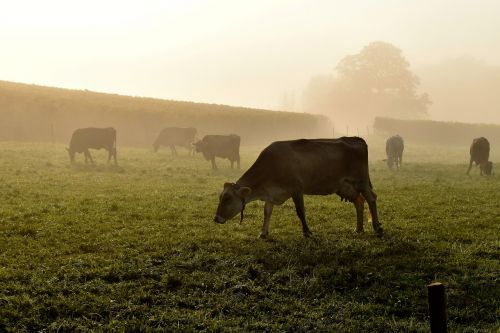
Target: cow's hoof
{"points": [[263, 236], [379, 232], [307, 233], [360, 230]]}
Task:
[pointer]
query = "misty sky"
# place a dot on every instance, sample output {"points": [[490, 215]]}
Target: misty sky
{"points": [[245, 53]]}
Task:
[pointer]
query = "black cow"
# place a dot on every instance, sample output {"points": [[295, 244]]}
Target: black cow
{"points": [[176, 136], [480, 153], [394, 147], [94, 138], [293, 168], [223, 146]]}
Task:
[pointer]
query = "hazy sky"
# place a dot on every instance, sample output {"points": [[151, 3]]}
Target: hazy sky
{"points": [[230, 52]]}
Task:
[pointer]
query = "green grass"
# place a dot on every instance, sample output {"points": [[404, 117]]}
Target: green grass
{"points": [[134, 247]]}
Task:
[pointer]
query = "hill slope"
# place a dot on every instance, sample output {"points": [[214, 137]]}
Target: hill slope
{"points": [[37, 113]]}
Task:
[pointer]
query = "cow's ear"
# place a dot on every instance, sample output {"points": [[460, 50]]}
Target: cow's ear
{"points": [[244, 192], [226, 185]]}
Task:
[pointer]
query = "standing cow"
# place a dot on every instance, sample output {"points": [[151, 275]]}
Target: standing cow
{"points": [[176, 136], [394, 147], [95, 138], [223, 146], [291, 169], [480, 153]]}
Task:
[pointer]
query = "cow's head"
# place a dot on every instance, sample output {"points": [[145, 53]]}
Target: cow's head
{"points": [[390, 162], [231, 202], [71, 153], [487, 167], [199, 146]]}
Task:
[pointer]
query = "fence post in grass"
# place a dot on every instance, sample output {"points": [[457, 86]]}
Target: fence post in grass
{"points": [[437, 307]]}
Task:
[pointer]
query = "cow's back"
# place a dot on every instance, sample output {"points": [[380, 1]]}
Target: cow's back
{"points": [[224, 146], [315, 165], [91, 137], [177, 136], [394, 146], [480, 150]]}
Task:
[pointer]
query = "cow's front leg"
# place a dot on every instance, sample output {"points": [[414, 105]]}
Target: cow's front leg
{"points": [[298, 200], [232, 164], [371, 198], [90, 157], [214, 166], [470, 166], [359, 204], [268, 210]]}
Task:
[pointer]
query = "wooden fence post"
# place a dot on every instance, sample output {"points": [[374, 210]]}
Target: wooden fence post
{"points": [[437, 307]]}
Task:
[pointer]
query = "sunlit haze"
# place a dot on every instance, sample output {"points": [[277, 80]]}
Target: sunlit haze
{"points": [[243, 53]]}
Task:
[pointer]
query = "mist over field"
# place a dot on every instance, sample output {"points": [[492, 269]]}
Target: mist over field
{"points": [[261, 54], [356, 143]]}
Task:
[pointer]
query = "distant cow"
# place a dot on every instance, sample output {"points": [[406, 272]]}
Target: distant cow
{"points": [[176, 136], [223, 146], [293, 168], [480, 153], [94, 138], [394, 147]]}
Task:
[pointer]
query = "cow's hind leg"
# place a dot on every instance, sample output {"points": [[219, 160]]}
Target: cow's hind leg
{"points": [[371, 199], [268, 210], [214, 166], [298, 200], [359, 204]]}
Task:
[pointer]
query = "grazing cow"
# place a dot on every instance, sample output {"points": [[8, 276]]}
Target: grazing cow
{"points": [[394, 147], [223, 146], [176, 136], [293, 168], [95, 138], [480, 153]]}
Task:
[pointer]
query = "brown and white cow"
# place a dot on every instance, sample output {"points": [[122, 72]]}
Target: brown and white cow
{"points": [[176, 136], [292, 169], [223, 146], [95, 138], [480, 153]]}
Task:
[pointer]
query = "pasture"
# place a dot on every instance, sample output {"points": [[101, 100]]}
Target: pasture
{"points": [[133, 247]]}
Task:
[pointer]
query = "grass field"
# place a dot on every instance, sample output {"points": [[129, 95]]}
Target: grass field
{"points": [[133, 247]]}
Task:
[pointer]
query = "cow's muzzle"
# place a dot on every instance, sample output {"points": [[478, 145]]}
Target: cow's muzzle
{"points": [[218, 219]]}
